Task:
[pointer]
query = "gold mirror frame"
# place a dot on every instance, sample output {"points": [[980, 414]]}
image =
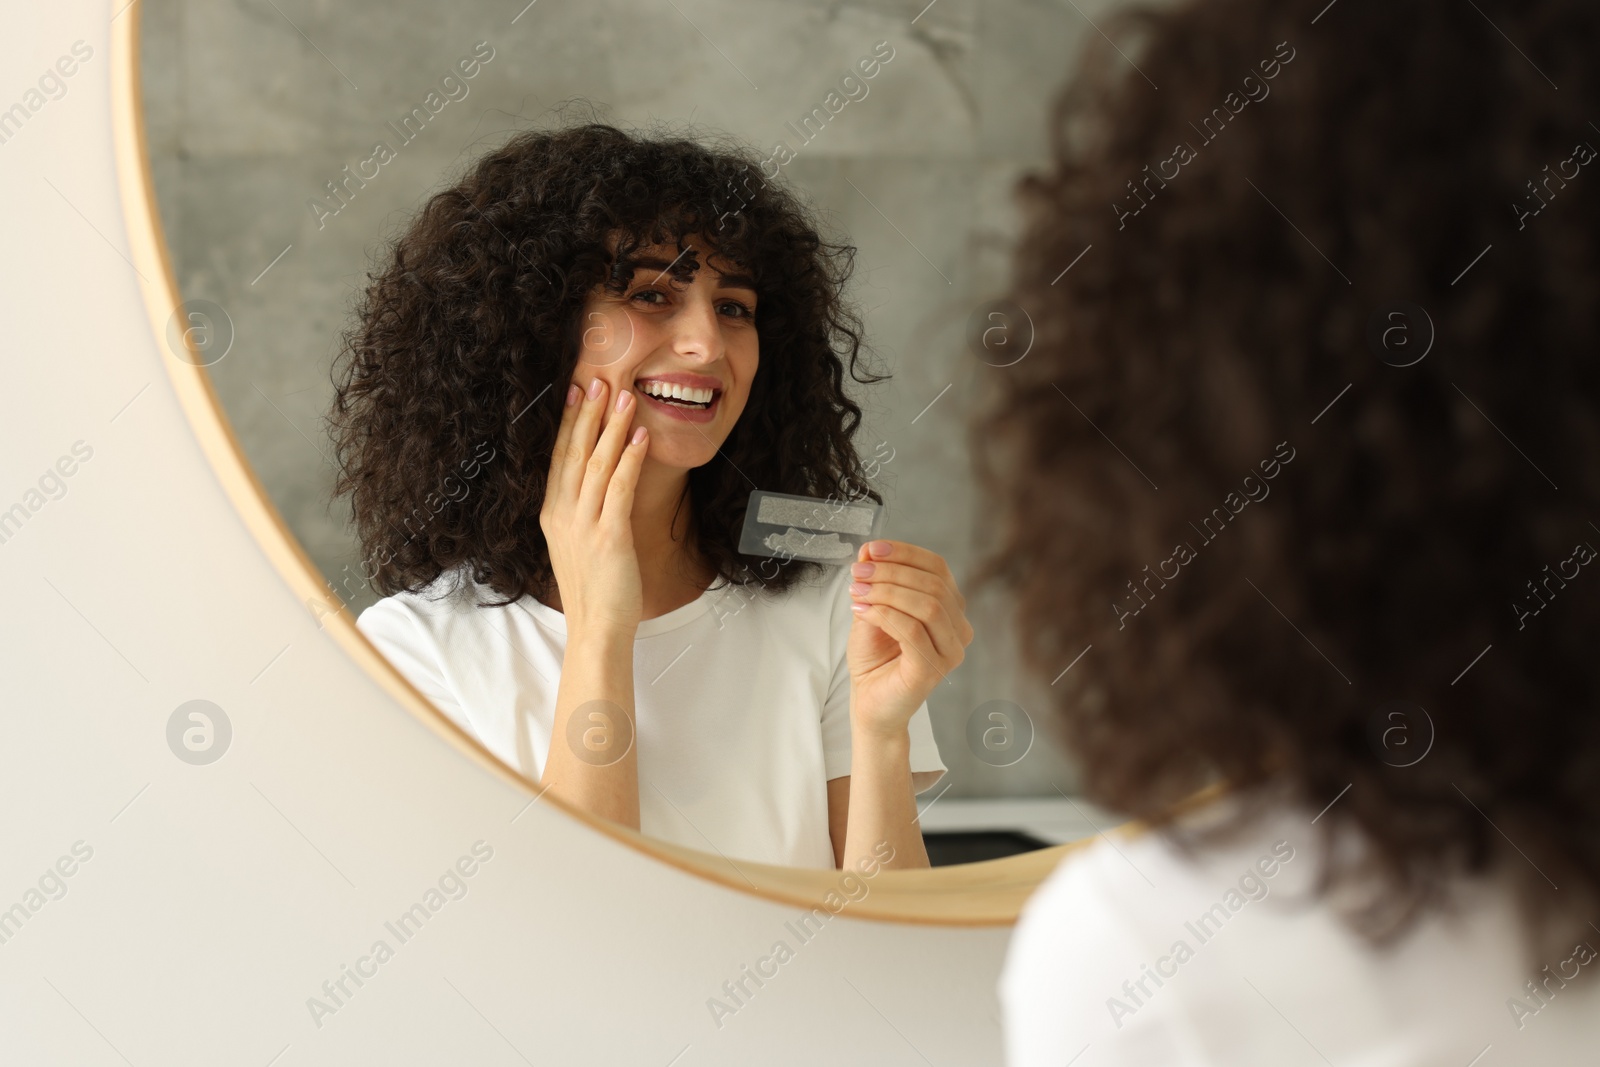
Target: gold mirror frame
{"points": [[987, 893]]}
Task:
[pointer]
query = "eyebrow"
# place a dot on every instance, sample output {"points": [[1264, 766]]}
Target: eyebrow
{"points": [[725, 281]]}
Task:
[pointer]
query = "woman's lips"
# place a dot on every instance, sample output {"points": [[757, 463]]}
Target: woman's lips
{"points": [[705, 414]]}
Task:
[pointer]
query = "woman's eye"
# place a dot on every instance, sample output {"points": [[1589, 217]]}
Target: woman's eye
{"points": [[737, 310], [649, 292]]}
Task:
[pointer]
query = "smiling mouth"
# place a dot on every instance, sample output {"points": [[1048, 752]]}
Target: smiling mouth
{"points": [[680, 396]]}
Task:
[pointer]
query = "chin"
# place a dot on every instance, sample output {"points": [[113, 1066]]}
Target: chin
{"points": [[679, 457]]}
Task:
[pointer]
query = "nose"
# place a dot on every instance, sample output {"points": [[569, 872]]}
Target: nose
{"points": [[696, 333]]}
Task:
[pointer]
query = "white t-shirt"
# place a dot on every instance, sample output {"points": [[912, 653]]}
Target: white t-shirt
{"points": [[1247, 973], [741, 703]]}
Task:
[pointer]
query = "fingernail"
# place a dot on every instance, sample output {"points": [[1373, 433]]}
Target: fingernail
{"points": [[573, 394], [622, 400], [859, 608], [881, 548], [858, 589], [861, 570], [594, 389], [638, 434]]}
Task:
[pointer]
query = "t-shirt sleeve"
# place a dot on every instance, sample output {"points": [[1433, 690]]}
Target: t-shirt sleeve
{"points": [[407, 642], [926, 766]]}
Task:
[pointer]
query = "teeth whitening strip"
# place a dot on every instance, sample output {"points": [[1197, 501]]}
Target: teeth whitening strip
{"points": [[783, 526]]}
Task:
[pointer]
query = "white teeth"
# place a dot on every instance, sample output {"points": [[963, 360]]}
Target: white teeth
{"points": [[677, 392]]}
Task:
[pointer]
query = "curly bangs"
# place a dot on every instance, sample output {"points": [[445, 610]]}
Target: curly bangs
{"points": [[449, 385]]}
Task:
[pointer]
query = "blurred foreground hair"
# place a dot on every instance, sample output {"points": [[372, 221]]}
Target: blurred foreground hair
{"points": [[1317, 515]]}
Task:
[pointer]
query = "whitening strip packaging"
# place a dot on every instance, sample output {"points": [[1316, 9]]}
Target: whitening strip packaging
{"points": [[808, 528]]}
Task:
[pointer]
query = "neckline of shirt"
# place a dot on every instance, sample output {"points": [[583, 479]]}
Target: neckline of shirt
{"points": [[680, 616]]}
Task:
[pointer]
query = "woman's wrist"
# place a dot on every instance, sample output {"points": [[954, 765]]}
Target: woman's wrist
{"points": [[887, 743], [601, 636], [872, 720], [597, 664]]}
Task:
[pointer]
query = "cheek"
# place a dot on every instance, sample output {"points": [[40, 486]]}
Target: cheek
{"points": [[745, 355], [610, 338]]}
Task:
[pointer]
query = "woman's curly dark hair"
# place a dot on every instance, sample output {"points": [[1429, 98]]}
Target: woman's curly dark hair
{"points": [[1241, 302], [456, 369]]}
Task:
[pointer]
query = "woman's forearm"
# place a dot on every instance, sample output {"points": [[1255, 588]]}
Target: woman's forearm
{"points": [[583, 766], [883, 807]]}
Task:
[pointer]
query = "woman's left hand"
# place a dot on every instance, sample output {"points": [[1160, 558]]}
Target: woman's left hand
{"points": [[910, 631]]}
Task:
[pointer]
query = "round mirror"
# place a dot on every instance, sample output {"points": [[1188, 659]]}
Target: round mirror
{"points": [[289, 152]]}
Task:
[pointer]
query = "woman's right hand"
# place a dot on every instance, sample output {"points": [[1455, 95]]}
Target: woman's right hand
{"points": [[587, 512]]}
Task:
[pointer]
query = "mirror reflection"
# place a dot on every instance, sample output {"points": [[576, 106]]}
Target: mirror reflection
{"points": [[782, 260]]}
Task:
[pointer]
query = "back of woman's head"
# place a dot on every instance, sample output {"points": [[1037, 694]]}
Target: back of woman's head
{"points": [[450, 381], [1307, 445]]}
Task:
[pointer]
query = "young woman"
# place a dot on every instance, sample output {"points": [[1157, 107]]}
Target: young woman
{"points": [[561, 391], [1338, 311]]}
